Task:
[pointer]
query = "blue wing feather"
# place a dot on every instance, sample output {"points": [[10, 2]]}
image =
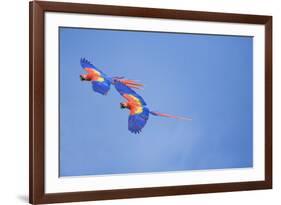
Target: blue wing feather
{"points": [[124, 89], [87, 64], [101, 87], [138, 121]]}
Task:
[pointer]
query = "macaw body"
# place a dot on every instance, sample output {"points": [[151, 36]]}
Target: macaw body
{"points": [[139, 112]]}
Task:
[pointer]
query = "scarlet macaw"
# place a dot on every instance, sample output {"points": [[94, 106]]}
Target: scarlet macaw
{"points": [[100, 81], [139, 113]]}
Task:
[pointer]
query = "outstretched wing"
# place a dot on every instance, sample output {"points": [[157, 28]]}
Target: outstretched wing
{"points": [[125, 90], [85, 64], [101, 87], [100, 82], [138, 113], [137, 121]]}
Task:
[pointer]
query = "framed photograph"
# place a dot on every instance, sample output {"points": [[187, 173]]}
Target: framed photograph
{"points": [[138, 102]]}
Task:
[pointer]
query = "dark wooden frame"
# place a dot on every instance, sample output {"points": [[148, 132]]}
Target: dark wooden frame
{"points": [[37, 9]]}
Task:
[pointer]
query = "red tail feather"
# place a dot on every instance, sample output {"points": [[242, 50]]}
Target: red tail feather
{"points": [[169, 116], [130, 83]]}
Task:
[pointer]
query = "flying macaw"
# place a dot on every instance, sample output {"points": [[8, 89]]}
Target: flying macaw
{"points": [[139, 113], [100, 81]]}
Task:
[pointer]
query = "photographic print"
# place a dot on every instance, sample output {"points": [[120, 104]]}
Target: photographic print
{"points": [[138, 101], [130, 102]]}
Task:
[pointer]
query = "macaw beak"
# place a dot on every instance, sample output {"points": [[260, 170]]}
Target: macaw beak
{"points": [[122, 106], [82, 78]]}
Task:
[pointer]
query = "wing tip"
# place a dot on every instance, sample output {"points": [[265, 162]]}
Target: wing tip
{"points": [[136, 131], [85, 63]]}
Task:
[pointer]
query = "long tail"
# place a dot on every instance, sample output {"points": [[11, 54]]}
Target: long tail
{"points": [[129, 83], [169, 116]]}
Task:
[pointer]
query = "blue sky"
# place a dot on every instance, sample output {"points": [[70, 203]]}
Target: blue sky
{"points": [[206, 77]]}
